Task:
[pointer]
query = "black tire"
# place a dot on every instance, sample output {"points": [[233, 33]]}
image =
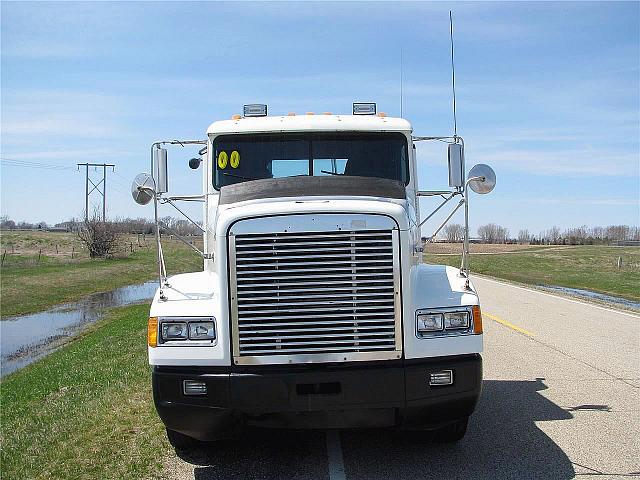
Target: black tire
{"points": [[182, 442], [451, 433]]}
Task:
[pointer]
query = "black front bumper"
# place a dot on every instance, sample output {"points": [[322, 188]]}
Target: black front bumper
{"points": [[381, 394]]}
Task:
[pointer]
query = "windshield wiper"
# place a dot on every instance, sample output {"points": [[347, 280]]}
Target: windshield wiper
{"points": [[331, 173], [238, 176]]}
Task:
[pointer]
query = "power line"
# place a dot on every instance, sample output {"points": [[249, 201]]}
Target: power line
{"points": [[14, 162]]}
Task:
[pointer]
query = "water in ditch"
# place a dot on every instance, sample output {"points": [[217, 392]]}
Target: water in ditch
{"points": [[589, 295], [27, 338]]}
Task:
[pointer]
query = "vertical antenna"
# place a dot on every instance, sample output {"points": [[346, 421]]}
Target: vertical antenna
{"points": [[401, 81], [453, 78]]}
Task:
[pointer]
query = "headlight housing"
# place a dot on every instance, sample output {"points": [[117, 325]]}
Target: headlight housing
{"points": [[186, 331], [448, 321]]}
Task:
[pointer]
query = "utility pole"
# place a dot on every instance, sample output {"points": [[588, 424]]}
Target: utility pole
{"points": [[96, 186]]}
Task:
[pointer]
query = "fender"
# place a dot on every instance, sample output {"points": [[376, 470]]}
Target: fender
{"points": [[436, 287]]}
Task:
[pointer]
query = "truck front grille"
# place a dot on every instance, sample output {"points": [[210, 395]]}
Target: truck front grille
{"points": [[313, 297]]}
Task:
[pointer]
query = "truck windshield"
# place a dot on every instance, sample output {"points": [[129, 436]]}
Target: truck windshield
{"points": [[239, 158]]}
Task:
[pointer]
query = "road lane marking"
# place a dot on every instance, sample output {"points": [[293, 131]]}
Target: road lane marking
{"points": [[561, 297], [334, 454], [507, 324]]}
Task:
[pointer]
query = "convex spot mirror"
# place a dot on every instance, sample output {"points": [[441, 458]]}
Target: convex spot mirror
{"points": [[482, 178], [143, 188]]}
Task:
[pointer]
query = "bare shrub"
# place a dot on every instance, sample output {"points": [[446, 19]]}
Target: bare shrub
{"points": [[102, 239]]}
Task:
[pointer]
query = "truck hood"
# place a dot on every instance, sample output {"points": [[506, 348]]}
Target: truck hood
{"points": [[312, 195], [397, 209]]}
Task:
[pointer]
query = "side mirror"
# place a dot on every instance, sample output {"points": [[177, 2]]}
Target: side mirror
{"points": [[143, 189], [160, 173], [482, 178], [194, 163], [456, 165]]}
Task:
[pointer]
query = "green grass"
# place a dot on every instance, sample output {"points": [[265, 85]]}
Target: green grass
{"points": [[586, 267], [85, 411], [28, 286]]}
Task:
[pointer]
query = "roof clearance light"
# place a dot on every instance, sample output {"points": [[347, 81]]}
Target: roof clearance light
{"points": [[364, 108], [255, 110]]}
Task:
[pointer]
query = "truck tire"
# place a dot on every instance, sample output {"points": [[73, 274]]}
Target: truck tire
{"points": [[182, 442], [451, 433]]}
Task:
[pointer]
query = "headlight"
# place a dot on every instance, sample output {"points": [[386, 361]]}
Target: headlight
{"points": [[456, 320], [174, 331], [201, 331], [430, 322], [188, 330]]}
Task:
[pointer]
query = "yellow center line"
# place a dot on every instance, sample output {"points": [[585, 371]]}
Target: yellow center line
{"points": [[507, 324]]}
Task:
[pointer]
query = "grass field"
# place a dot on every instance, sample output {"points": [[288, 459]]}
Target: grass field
{"points": [[34, 277], [586, 267], [86, 410]]}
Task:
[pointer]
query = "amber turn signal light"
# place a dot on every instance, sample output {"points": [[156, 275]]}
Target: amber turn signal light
{"points": [[477, 319], [152, 332]]}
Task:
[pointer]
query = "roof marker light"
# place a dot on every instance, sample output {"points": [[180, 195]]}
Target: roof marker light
{"points": [[310, 113], [382, 114], [327, 113], [236, 117], [364, 108], [291, 114], [255, 110]]}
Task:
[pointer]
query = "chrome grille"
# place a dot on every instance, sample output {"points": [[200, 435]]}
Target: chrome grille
{"points": [[317, 296]]}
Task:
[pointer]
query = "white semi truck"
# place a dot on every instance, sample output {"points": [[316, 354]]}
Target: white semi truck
{"points": [[314, 308]]}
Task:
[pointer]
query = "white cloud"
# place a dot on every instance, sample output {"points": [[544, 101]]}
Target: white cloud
{"points": [[42, 49], [58, 113], [80, 154], [573, 162], [613, 202]]}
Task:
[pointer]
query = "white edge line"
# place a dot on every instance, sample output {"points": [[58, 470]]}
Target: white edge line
{"points": [[482, 277], [334, 453]]}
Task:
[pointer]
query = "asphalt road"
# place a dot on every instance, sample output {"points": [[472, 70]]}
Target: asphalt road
{"points": [[560, 400]]}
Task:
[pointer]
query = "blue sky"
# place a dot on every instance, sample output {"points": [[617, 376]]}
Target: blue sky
{"points": [[548, 94]]}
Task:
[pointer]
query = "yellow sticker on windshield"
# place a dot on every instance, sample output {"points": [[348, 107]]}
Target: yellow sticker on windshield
{"points": [[222, 160], [234, 160]]}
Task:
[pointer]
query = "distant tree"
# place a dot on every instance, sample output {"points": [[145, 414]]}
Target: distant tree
{"points": [[524, 236], [6, 223], [617, 232], [492, 233], [25, 225], [454, 232], [576, 236], [552, 236]]}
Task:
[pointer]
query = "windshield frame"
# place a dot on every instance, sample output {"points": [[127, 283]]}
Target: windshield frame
{"points": [[310, 137]]}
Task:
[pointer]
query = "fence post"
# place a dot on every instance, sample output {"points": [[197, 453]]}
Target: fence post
{"points": [[4, 254], [39, 254], [56, 248], [619, 262]]}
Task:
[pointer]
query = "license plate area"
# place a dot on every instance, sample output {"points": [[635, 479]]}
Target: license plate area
{"points": [[326, 388]]}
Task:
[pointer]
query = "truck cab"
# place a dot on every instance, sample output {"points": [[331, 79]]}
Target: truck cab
{"points": [[314, 307]]}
